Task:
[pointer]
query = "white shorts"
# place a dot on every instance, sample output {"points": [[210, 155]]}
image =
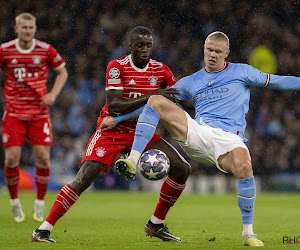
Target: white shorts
{"points": [[205, 144]]}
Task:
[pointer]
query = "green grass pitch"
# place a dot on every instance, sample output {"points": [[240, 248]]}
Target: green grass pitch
{"points": [[115, 220]]}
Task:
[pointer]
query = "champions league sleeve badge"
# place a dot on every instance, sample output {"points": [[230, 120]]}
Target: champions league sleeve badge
{"points": [[114, 73]]}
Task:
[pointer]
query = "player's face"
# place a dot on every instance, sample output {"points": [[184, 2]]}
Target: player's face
{"points": [[215, 53], [141, 50], [25, 30]]}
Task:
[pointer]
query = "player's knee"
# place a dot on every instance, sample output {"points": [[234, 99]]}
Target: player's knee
{"points": [[180, 171], [186, 170], [155, 102], [43, 161], [11, 160], [243, 170], [87, 173]]}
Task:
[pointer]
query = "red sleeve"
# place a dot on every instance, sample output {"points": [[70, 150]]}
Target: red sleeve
{"points": [[169, 79], [114, 76], [54, 59]]}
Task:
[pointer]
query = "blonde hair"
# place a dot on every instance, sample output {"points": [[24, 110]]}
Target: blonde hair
{"points": [[25, 16], [218, 35]]}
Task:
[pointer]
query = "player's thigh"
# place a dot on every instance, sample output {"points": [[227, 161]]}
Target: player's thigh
{"points": [[14, 132], [12, 155], [177, 163], [173, 117], [42, 155], [39, 132], [104, 147]]}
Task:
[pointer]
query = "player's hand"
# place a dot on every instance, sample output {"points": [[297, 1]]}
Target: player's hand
{"points": [[108, 123], [48, 100], [168, 93]]}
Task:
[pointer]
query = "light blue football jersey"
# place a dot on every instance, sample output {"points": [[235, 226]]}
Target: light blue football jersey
{"points": [[221, 99]]}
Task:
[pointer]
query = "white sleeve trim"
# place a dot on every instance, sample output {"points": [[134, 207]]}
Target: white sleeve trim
{"points": [[267, 81], [60, 66], [117, 88]]}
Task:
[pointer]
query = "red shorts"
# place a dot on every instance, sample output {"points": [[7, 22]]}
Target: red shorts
{"points": [[105, 146], [15, 131]]}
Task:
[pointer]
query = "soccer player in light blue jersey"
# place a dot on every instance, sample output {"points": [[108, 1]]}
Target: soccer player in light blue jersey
{"points": [[220, 94]]}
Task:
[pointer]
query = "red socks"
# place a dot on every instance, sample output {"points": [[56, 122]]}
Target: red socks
{"points": [[65, 199], [169, 193], [42, 176], [12, 180]]}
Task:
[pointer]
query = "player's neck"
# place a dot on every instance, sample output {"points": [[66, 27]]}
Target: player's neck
{"points": [[214, 70], [24, 44], [139, 65]]}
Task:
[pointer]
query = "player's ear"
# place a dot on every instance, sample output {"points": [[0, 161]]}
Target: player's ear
{"points": [[227, 53]]}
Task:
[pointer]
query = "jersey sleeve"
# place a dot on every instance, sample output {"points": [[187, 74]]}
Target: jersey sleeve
{"points": [[284, 83], [54, 59], [114, 76], [255, 77], [181, 86], [169, 79]]}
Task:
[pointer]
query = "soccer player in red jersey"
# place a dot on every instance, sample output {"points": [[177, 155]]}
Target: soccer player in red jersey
{"points": [[25, 61], [130, 81]]}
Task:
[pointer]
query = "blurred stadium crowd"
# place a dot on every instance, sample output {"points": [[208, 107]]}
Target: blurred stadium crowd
{"points": [[90, 33]]}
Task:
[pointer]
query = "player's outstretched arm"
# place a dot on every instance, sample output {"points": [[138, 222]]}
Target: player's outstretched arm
{"points": [[284, 82], [110, 122], [117, 105]]}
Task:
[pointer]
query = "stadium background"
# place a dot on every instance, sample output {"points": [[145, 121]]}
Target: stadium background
{"points": [[89, 34]]}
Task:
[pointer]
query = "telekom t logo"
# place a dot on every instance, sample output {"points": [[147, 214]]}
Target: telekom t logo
{"points": [[134, 95], [20, 74]]}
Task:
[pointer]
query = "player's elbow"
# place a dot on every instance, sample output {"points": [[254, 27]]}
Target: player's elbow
{"points": [[113, 110]]}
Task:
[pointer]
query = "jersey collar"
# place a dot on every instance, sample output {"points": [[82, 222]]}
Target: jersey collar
{"points": [[25, 51], [225, 66], [136, 68]]}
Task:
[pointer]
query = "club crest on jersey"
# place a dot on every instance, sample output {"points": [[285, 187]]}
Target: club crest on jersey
{"points": [[100, 152], [211, 82], [153, 80], [114, 73], [36, 60]]}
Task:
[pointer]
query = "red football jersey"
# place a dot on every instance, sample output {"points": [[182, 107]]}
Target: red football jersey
{"points": [[122, 74], [26, 73]]}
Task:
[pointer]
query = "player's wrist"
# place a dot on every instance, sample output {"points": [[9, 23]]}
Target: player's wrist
{"points": [[53, 94]]}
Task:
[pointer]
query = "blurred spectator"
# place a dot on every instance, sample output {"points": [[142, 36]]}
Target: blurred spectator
{"points": [[263, 59]]}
